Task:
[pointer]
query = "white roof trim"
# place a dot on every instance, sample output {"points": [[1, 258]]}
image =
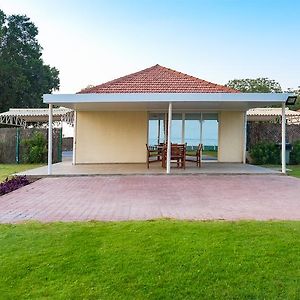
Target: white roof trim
{"points": [[165, 97]]}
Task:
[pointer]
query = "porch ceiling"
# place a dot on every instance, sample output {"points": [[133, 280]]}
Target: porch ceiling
{"points": [[159, 102]]}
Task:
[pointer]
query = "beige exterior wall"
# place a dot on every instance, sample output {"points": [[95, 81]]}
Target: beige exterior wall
{"points": [[111, 137], [231, 136]]}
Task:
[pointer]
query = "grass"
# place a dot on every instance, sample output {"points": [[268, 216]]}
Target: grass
{"points": [[292, 170], [162, 259], [6, 170], [204, 152], [210, 153], [295, 171]]}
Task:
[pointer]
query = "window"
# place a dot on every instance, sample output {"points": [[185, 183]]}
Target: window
{"points": [[191, 128], [156, 125]]}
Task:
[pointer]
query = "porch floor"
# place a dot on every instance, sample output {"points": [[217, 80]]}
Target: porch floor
{"points": [[66, 168]]}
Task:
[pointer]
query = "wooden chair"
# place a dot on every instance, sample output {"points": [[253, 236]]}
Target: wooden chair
{"points": [[152, 152], [178, 154], [197, 156], [160, 148]]}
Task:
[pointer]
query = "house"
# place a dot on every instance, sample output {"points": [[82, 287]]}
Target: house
{"points": [[111, 120]]}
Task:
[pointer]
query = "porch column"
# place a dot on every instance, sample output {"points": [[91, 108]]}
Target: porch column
{"points": [[201, 130], [169, 139], [245, 138], [158, 131], [50, 139], [74, 138], [183, 129], [166, 127], [283, 131]]}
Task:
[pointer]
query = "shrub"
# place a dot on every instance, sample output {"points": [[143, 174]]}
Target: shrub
{"points": [[36, 148], [12, 184], [265, 153], [295, 154]]}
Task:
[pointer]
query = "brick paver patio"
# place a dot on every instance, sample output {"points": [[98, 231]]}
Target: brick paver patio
{"points": [[199, 197]]}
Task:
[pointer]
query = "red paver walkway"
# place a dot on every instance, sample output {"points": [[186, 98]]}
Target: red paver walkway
{"points": [[201, 197]]}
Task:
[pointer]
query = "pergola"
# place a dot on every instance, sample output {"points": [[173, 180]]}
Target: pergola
{"points": [[271, 114], [21, 117]]}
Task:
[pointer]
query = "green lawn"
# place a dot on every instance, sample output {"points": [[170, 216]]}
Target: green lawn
{"points": [[7, 170], [295, 171], [204, 152], [292, 170], [210, 153], [163, 259]]}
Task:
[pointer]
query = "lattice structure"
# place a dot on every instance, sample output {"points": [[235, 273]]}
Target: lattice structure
{"points": [[22, 117], [12, 120], [270, 132], [293, 120], [68, 118]]}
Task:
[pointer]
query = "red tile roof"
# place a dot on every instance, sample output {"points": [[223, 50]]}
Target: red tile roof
{"points": [[158, 79]]}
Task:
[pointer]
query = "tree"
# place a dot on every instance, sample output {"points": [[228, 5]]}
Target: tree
{"points": [[89, 86], [24, 77], [258, 85], [263, 85]]}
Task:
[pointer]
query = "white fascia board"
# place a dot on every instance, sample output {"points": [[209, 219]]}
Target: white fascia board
{"points": [[165, 97]]}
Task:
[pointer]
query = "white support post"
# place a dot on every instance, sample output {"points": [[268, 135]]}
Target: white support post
{"points": [[201, 130], [169, 139], [165, 127], [158, 131], [183, 129], [74, 139], [245, 137], [283, 132], [50, 139]]}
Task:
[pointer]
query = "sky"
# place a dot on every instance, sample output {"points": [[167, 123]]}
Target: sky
{"points": [[92, 42]]}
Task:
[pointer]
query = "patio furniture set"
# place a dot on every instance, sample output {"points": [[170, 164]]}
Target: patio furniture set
{"points": [[179, 154]]}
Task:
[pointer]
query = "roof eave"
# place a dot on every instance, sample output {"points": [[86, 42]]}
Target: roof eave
{"points": [[164, 97]]}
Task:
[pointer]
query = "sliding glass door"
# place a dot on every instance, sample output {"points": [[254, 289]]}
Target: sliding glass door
{"points": [[193, 128], [157, 129], [176, 130], [210, 127]]}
